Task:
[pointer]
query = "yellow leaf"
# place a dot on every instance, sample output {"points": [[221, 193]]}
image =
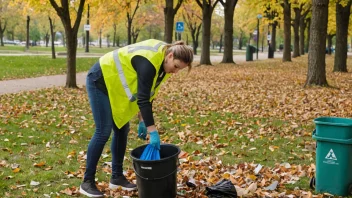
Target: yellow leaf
{"points": [[16, 170], [226, 175], [40, 164], [252, 177], [272, 148]]}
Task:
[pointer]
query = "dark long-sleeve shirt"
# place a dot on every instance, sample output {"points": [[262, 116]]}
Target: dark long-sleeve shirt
{"points": [[145, 74]]}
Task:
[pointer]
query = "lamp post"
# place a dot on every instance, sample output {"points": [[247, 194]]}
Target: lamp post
{"points": [[270, 14], [87, 32], [259, 16]]}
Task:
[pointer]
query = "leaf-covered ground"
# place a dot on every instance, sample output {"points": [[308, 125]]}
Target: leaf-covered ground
{"points": [[250, 123]]}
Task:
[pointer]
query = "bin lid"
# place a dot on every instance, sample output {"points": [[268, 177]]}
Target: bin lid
{"points": [[335, 121]]}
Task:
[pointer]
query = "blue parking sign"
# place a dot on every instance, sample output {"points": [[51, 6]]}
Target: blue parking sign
{"points": [[180, 26]]}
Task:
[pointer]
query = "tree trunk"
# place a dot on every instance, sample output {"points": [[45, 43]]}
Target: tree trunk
{"points": [[308, 34], [100, 38], [273, 37], [53, 55], [169, 20], [229, 8], [169, 16], [316, 57], [342, 21], [129, 26], [71, 38], [220, 43], [63, 38], [27, 41], [240, 41], [302, 29], [114, 40], [195, 37], [329, 38], [207, 10], [296, 32], [108, 40], [287, 31], [47, 38], [2, 30]]}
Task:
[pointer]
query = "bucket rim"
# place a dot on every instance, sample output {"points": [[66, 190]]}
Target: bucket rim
{"points": [[156, 161], [320, 121]]}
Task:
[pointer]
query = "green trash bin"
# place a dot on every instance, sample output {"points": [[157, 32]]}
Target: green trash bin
{"points": [[249, 52], [333, 155]]}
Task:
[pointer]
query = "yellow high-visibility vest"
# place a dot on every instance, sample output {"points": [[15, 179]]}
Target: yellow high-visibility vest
{"points": [[121, 78]]}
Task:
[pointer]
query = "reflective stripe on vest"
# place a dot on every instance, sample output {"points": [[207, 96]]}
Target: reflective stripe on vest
{"points": [[122, 77], [131, 49]]}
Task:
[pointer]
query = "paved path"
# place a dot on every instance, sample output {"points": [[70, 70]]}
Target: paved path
{"points": [[17, 85]]}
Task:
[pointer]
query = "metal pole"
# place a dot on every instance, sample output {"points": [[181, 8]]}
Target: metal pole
{"points": [[257, 37], [268, 41], [87, 32]]}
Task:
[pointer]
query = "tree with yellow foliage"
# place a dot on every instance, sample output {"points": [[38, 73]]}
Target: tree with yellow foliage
{"points": [[71, 29], [193, 18]]}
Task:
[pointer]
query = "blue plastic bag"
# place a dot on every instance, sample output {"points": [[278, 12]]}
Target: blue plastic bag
{"points": [[150, 153]]}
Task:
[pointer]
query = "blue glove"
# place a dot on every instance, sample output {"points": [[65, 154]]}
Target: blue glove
{"points": [[142, 130], [154, 139]]}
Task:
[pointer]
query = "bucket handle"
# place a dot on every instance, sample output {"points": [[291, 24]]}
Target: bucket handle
{"points": [[134, 168], [341, 141]]}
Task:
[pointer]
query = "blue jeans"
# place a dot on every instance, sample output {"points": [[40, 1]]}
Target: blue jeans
{"points": [[102, 114]]}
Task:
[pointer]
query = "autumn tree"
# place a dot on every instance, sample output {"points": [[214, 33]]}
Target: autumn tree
{"points": [[229, 9], [245, 21], [154, 26], [193, 19], [217, 28], [3, 20], [297, 8], [271, 14], [64, 12], [306, 9], [131, 8], [207, 11], [331, 32], [169, 16], [44, 12], [316, 58], [8, 12], [342, 20]]}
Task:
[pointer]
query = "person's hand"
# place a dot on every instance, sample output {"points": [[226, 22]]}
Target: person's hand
{"points": [[154, 139], [142, 130]]}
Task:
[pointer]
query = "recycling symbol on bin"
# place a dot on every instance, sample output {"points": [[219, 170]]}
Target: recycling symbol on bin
{"points": [[331, 155]]}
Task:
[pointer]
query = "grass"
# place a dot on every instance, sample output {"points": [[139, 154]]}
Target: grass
{"points": [[42, 49], [39, 126], [34, 66], [229, 114], [92, 49]]}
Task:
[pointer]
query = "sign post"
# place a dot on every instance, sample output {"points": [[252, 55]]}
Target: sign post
{"points": [[179, 29], [259, 16], [87, 28]]}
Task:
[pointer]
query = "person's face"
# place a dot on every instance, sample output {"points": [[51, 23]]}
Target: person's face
{"points": [[172, 65]]}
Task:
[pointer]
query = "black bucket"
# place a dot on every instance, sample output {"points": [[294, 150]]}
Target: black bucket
{"points": [[157, 178]]}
